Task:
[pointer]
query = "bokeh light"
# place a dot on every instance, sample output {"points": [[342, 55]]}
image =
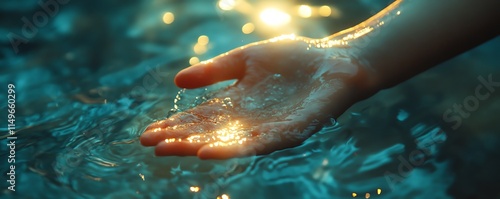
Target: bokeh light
{"points": [[194, 189], [223, 196], [274, 17], [226, 4], [325, 11], [203, 40], [194, 60], [199, 49], [248, 28], [305, 11], [168, 18]]}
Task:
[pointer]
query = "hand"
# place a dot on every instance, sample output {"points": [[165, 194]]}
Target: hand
{"points": [[287, 88]]}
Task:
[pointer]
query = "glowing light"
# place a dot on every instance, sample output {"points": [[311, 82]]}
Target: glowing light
{"points": [[248, 28], [203, 40], [168, 18], [354, 195], [223, 196], [227, 4], [199, 49], [192, 61], [305, 11], [283, 37], [359, 33], [367, 195], [274, 17], [230, 134], [194, 189], [325, 162], [398, 13], [379, 191], [325, 11]]}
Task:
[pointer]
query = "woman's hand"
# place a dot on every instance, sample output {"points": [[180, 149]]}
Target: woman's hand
{"points": [[287, 88]]}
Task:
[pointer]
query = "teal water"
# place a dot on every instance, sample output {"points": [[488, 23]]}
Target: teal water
{"points": [[91, 80]]}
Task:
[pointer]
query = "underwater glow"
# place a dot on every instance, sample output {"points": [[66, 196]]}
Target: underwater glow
{"points": [[354, 195], [274, 17], [305, 11], [379, 191], [168, 18]]}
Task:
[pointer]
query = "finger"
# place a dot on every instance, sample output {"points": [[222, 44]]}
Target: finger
{"points": [[224, 67], [154, 136], [178, 148], [161, 124], [221, 152]]}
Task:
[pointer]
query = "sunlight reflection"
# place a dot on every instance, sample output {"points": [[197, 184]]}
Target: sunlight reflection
{"points": [[274, 17], [230, 135], [283, 37], [359, 33]]}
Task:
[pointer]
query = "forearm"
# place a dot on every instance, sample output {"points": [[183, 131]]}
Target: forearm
{"points": [[411, 36]]}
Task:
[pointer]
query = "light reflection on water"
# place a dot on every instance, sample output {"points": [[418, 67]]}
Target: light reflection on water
{"points": [[104, 156], [79, 139], [92, 150]]}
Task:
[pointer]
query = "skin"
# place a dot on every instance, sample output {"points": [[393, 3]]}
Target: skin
{"points": [[288, 87]]}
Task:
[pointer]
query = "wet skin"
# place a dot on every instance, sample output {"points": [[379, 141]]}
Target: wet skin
{"points": [[287, 88]]}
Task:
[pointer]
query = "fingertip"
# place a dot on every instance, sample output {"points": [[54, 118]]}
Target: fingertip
{"points": [[224, 152], [152, 137], [225, 67], [192, 77]]}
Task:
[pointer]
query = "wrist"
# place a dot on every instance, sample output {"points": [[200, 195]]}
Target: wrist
{"points": [[357, 74]]}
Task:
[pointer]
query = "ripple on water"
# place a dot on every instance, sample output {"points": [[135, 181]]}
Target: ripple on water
{"points": [[98, 153]]}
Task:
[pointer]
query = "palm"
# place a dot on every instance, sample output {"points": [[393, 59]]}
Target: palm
{"points": [[284, 93]]}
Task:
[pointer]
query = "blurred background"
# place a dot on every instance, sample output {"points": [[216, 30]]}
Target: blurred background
{"points": [[91, 75]]}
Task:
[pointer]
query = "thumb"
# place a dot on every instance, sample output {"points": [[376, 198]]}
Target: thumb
{"points": [[230, 65]]}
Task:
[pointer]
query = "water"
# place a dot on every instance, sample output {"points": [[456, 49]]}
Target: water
{"points": [[88, 85]]}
